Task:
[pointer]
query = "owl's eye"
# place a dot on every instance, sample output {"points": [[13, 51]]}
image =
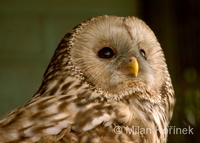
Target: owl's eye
{"points": [[106, 53], [143, 53]]}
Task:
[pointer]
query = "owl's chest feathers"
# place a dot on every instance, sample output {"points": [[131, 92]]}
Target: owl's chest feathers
{"points": [[131, 111], [135, 112], [90, 110], [133, 116], [144, 116]]}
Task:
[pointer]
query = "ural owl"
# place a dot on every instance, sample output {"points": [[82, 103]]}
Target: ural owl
{"points": [[107, 82]]}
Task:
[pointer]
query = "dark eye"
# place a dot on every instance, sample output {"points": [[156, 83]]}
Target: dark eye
{"points": [[106, 53], [143, 53]]}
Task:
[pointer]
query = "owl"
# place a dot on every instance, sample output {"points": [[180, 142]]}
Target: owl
{"points": [[107, 82]]}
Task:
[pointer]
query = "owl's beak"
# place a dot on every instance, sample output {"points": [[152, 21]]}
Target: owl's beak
{"points": [[133, 66]]}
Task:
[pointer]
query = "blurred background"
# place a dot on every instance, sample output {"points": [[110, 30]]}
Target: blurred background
{"points": [[31, 30]]}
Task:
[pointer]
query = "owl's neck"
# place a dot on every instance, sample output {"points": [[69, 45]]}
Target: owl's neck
{"points": [[141, 117]]}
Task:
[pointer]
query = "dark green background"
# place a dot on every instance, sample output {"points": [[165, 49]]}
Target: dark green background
{"points": [[31, 30]]}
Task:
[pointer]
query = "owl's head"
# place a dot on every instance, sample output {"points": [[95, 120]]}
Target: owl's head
{"points": [[118, 55]]}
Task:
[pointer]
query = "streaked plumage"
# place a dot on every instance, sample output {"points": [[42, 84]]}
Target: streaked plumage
{"points": [[109, 72]]}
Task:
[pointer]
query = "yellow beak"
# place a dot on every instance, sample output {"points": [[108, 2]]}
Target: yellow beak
{"points": [[133, 66]]}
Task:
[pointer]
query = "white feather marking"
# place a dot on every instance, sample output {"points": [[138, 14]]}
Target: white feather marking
{"points": [[53, 108], [96, 122], [88, 127], [104, 118], [53, 130], [108, 123], [27, 124], [73, 107], [60, 116], [36, 138], [157, 119], [63, 124]]}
